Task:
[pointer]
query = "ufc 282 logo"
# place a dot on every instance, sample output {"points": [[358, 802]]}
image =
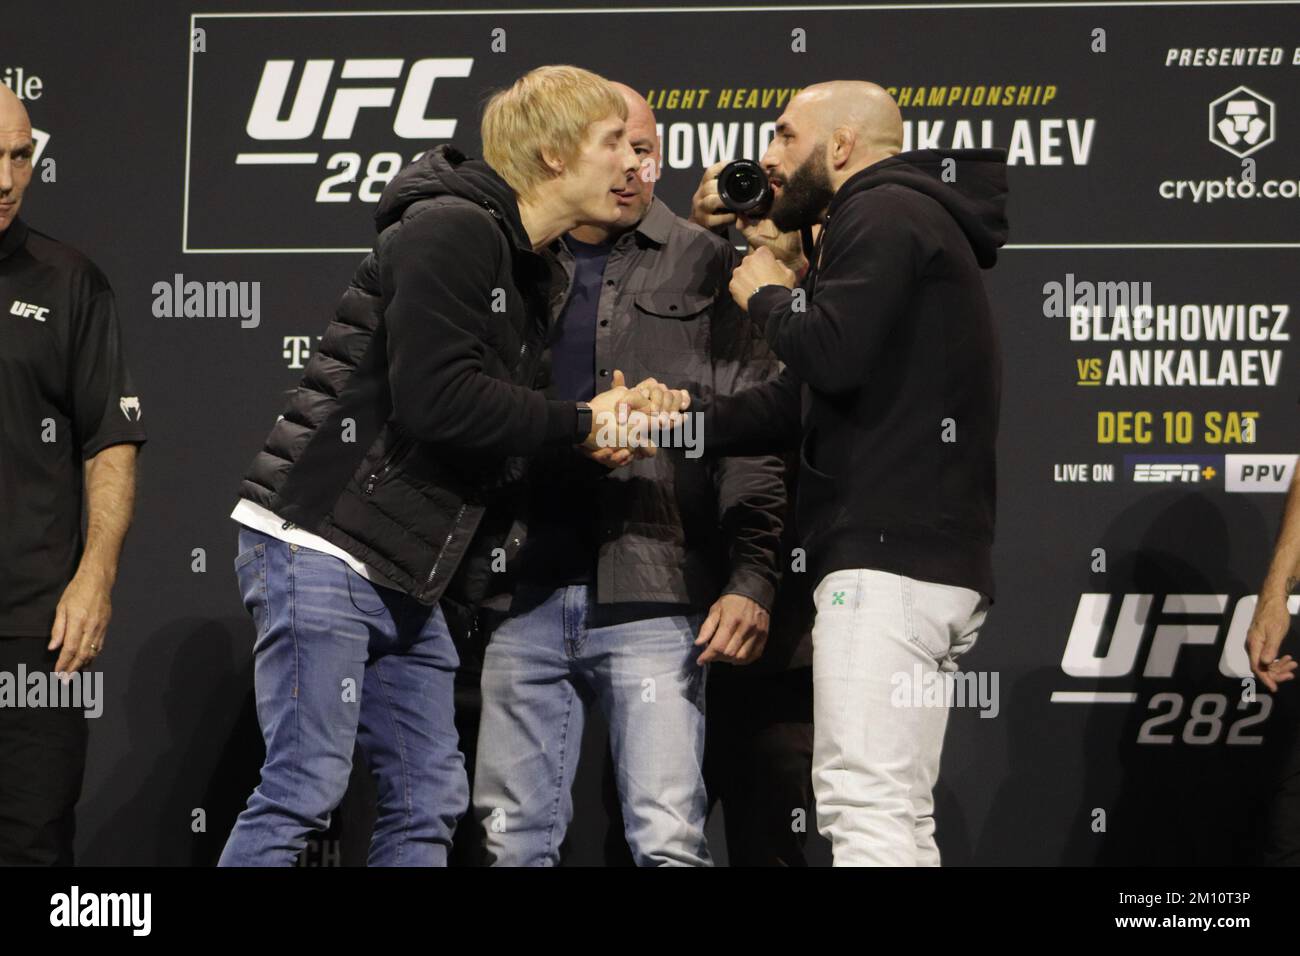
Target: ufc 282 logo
{"points": [[1172, 629], [348, 90], [309, 138]]}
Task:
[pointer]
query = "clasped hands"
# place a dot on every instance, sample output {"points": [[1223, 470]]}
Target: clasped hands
{"points": [[624, 420]]}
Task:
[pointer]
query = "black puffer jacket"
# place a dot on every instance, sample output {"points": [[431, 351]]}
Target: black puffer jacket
{"points": [[416, 413]]}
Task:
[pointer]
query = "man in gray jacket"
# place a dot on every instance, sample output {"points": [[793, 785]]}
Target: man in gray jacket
{"points": [[626, 575]]}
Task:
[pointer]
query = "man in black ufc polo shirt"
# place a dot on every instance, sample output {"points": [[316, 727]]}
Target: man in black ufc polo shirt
{"points": [[70, 422]]}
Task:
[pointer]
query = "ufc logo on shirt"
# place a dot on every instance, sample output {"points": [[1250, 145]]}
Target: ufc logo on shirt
{"points": [[29, 310]]}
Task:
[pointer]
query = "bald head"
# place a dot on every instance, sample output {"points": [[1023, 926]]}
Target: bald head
{"points": [[639, 114], [863, 110], [13, 115], [16, 150]]}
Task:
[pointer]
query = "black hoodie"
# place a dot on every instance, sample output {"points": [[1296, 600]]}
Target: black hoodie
{"points": [[893, 372], [416, 411], [427, 332]]}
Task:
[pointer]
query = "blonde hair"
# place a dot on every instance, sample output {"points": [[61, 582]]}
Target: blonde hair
{"points": [[552, 107]]}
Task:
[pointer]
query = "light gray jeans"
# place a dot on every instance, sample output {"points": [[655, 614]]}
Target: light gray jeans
{"points": [[544, 667], [876, 759]]}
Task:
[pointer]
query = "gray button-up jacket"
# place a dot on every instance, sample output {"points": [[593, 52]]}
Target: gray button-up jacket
{"points": [[674, 528]]}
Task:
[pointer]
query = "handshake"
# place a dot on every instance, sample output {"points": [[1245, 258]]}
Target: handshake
{"points": [[625, 420]]}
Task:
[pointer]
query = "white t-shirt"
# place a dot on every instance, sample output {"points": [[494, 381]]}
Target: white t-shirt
{"points": [[252, 515]]}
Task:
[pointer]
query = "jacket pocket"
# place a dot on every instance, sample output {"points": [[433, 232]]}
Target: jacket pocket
{"points": [[388, 463], [412, 519]]}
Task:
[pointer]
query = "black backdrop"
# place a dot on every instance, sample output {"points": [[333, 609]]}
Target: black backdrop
{"points": [[1121, 734]]}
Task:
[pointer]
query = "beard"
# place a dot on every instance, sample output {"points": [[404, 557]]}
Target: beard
{"points": [[806, 195]]}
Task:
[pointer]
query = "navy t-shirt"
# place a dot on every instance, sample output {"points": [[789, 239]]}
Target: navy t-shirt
{"points": [[562, 529], [573, 347]]}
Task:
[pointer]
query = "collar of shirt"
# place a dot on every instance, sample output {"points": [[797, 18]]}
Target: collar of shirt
{"points": [[13, 238], [657, 222], [655, 225], [580, 248]]}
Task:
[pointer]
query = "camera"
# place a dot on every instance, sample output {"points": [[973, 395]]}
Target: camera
{"points": [[744, 188]]}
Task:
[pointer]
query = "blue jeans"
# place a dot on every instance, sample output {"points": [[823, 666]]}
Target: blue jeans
{"points": [[339, 661], [543, 665]]}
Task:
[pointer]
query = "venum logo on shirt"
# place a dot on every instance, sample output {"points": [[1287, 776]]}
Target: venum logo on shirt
{"points": [[130, 405], [28, 310]]}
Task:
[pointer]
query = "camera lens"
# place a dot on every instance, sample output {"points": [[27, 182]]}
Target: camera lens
{"points": [[743, 186]]}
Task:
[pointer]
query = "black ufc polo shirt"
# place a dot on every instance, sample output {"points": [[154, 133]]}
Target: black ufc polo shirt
{"points": [[65, 395]]}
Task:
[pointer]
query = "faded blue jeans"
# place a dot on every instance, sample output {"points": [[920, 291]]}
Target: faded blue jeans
{"points": [[337, 661], [543, 667]]}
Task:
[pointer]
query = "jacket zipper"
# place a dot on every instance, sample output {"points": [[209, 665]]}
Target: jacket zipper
{"points": [[428, 582], [523, 349], [385, 466], [568, 294], [815, 265]]}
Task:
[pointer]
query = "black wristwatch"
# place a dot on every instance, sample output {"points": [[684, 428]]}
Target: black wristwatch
{"points": [[583, 428]]}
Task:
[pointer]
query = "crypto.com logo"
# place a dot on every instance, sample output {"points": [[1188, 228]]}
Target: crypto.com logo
{"points": [[1242, 122]]}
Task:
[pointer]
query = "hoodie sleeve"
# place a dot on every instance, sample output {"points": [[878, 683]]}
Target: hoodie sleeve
{"points": [[439, 274], [759, 420], [869, 266]]}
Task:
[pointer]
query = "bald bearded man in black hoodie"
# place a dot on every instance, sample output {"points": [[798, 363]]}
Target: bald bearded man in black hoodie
{"points": [[890, 391]]}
